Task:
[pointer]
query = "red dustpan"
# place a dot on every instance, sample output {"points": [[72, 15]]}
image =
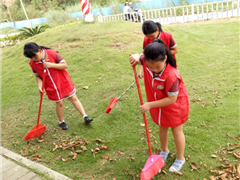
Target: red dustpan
{"points": [[115, 99], [155, 162], [39, 129]]}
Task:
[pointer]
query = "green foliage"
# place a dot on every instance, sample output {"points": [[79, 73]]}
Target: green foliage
{"points": [[57, 17], [33, 31], [11, 40], [8, 30]]}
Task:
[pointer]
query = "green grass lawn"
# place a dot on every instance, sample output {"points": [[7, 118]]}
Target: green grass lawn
{"points": [[97, 55]]}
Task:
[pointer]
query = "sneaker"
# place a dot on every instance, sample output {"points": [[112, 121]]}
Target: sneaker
{"points": [[88, 120], [64, 126], [177, 165], [164, 155]]}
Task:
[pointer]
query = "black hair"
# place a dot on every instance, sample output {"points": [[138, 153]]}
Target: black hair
{"points": [[150, 27], [157, 50], [31, 48]]}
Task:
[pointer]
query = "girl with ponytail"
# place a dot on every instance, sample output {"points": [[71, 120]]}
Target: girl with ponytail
{"points": [[58, 84], [167, 97], [152, 31]]}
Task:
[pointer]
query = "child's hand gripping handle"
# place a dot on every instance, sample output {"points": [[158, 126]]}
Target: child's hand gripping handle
{"points": [[41, 96], [144, 115]]}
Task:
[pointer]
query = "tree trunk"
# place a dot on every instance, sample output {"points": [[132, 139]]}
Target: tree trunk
{"points": [[173, 2], [9, 14]]}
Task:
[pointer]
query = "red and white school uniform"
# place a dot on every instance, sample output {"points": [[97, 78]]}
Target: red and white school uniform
{"points": [[158, 88], [165, 37], [58, 84]]}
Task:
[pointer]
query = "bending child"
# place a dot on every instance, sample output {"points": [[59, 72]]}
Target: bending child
{"points": [[167, 97], [58, 84], [152, 31]]}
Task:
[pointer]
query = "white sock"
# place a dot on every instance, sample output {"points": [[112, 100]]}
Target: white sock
{"points": [[60, 122], [84, 116]]}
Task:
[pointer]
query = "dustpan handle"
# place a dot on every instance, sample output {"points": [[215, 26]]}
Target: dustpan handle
{"points": [[41, 96], [144, 115]]}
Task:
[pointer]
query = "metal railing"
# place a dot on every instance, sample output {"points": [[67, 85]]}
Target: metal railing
{"points": [[204, 11]]}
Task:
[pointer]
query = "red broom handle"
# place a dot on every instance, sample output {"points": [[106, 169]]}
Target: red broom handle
{"points": [[144, 115], [41, 97]]}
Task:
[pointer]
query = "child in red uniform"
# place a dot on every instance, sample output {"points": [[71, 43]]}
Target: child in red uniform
{"points": [[58, 84], [166, 95], [152, 31]]}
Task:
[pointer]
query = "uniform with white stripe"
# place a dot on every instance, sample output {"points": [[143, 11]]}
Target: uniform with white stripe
{"points": [[58, 83], [158, 87]]}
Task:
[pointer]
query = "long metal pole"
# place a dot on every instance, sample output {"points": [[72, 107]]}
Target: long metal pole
{"points": [[24, 10], [25, 13]]}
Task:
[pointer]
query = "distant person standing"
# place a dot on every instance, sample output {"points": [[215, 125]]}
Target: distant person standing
{"points": [[131, 10], [126, 11]]}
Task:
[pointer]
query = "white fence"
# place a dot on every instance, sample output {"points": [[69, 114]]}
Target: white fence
{"points": [[213, 10]]}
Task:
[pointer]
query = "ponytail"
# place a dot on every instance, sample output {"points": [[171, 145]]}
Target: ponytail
{"points": [[150, 27], [31, 48], [157, 50]]}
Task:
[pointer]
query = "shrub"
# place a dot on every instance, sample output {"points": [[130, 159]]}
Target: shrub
{"points": [[11, 40], [57, 17], [33, 31]]}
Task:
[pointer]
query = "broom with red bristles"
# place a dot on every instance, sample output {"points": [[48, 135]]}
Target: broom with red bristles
{"points": [[155, 162]]}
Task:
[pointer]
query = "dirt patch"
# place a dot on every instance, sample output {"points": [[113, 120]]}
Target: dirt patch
{"points": [[119, 45], [70, 45], [111, 94]]}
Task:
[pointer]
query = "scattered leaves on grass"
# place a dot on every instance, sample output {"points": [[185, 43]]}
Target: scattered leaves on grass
{"points": [[119, 153], [214, 156], [109, 159], [36, 157], [227, 170]]}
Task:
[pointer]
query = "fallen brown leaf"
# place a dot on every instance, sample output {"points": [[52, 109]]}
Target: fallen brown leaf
{"points": [[84, 148], [178, 172], [78, 151], [188, 158], [74, 156], [194, 166], [97, 140], [164, 172], [228, 136]]}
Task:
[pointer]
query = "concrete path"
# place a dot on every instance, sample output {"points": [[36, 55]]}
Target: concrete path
{"points": [[10, 170]]}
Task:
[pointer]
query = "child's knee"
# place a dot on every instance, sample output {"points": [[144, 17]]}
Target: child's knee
{"points": [[60, 104], [73, 98]]}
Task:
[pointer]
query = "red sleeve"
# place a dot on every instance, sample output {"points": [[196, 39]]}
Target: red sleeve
{"points": [[141, 59], [175, 86], [144, 46], [172, 42], [58, 58]]}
